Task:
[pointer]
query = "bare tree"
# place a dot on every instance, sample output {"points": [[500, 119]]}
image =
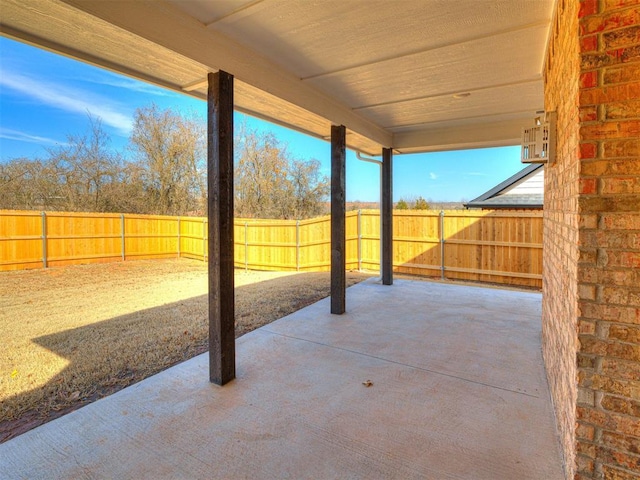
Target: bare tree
{"points": [[270, 183], [171, 148], [310, 188], [84, 168], [34, 185], [167, 175], [84, 174], [127, 192], [25, 184]]}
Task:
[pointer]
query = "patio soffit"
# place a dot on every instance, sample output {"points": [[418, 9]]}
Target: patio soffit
{"points": [[415, 75]]}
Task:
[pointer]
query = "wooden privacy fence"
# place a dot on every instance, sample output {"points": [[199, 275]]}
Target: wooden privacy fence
{"points": [[500, 247]]}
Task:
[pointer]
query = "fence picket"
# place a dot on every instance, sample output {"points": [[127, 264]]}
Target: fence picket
{"points": [[44, 240], [123, 245], [500, 247]]}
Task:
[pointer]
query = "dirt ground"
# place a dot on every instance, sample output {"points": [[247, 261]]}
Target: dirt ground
{"points": [[75, 334]]}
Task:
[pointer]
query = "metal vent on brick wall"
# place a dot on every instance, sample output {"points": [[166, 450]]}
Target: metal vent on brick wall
{"points": [[539, 141]]}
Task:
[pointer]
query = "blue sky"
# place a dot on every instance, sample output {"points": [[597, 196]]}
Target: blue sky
{"points": [[45, 97]]}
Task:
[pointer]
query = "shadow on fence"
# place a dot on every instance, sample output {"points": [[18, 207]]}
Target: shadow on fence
{"points": [[499, 247]]}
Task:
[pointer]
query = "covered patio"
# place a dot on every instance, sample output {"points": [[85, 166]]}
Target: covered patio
{"points": [[374, 77], [385, 80], [458, 390]]}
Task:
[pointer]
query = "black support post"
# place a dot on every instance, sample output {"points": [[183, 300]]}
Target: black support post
{"points": [[387, 217], [338, 220], [222, 361]]}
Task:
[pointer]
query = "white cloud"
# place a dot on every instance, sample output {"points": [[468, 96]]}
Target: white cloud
{"points": [[10, 134], [70, 100], [432, 176]]}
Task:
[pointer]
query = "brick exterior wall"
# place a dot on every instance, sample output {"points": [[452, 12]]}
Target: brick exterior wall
{"points": [[561, 226], [592, 349], [608, 409]]}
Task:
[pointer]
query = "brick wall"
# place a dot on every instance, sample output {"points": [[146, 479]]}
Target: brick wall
{"points": [[608, 409], [561, 225], [604, 441]]}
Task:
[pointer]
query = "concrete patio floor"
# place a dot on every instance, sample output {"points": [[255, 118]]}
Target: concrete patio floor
{"points": [[458, 392]]}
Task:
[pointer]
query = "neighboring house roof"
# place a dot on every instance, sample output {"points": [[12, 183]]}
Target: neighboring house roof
{"points": [[525, 189]]}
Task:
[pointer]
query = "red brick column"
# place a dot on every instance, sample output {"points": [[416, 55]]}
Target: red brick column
{"points": [[608, 358]]}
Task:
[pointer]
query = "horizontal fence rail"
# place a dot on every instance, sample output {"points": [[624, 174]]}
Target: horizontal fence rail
{"points": [[493, 246]]}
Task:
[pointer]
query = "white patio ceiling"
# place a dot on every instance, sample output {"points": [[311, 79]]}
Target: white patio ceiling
{"points": [[415, 75]]}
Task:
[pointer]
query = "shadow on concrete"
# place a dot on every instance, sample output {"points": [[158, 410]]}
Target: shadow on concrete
{"points": [[129, 348], [417, 380]]}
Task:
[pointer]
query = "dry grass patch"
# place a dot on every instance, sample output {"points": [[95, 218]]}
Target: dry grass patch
{"points": [[72, 335]]}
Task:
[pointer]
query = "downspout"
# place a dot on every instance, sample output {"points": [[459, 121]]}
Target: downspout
{"points": [[359, 156]]}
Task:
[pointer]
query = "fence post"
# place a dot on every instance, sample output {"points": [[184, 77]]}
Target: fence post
{"points": [[122, 239], [359, 233], [297, 245], [44, 240], [204, 239], [246, 247], [442, 275], [178, 237]]}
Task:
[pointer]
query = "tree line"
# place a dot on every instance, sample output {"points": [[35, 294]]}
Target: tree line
{"points": [[164, 173], [418, 203]]}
